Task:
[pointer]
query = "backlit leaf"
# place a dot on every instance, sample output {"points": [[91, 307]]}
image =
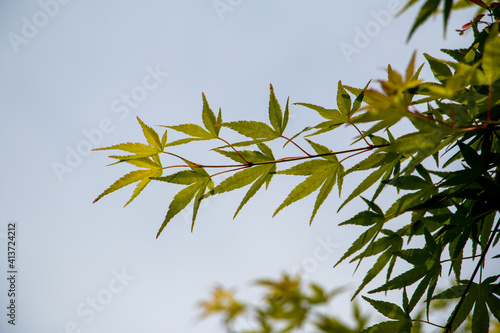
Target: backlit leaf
{"points": [[129, 178], [427, 9], [335, 115], [209, 119], [390, 310], [491, 56], [194, 131], [275, 114], [253, 129], [343, 99], [138, 148], [178, 203], [151, 135]]}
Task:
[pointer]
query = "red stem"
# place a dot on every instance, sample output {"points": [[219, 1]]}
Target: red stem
{"points": [[296, 145], [360, 133], [237, 152], [359, 152], [240, 168]]}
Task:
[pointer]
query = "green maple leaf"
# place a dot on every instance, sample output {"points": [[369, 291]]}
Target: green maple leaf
{"points": [[401, 324], [426, 267], [480, 297], [259, 131], [143, 156], [198, 180], [322, 173], [258, 174], [152, 169], [196, 132]]}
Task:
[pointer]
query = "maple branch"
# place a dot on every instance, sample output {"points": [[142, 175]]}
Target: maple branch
{"points": [[446, 260], [179, 157], [240, 168], [281, 160]]}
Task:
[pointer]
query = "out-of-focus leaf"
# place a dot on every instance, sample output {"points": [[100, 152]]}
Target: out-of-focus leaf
{"points": [[491, 56], [429, 7], [440, 70]]}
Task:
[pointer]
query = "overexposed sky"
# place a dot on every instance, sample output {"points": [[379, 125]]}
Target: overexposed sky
{"points": [[74, 76]]}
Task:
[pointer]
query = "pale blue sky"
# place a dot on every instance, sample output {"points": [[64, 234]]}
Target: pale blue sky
{"points": [[69, 76]]}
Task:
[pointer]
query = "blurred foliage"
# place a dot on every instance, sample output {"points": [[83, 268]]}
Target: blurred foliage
{"points": [[445, 170], [289, 304], [286, 306]]}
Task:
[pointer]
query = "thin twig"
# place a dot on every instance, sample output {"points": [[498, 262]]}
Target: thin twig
{"points": [[359, 152], [360, 133], [471, 257], [296, 145], [427, 322], [237, 152], [240, 168]]}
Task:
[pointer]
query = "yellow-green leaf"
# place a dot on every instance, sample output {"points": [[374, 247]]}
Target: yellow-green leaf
{"points": [[132, 147], [209, 119], [178, 203], [491, 56], [343, 100], [264, 178], [127, 179], [142, 184], [193, 130], [275, 114], [253, 129], [151, 135]]}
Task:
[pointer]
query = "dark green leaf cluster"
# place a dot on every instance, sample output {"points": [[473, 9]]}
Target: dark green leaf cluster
{"points": [[445, 170]]}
